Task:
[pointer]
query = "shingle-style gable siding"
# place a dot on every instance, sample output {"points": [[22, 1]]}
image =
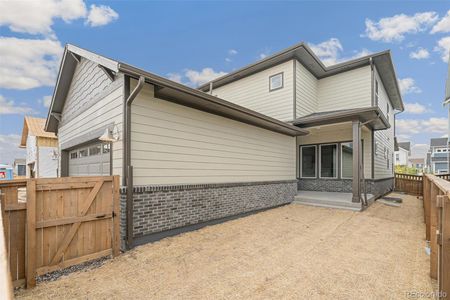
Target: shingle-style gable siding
{"points": [[88, 82], [253, 92]]}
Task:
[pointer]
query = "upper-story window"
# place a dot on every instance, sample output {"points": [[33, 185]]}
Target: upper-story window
{"points": [[276, 82], [376, 91], [387, 109]]}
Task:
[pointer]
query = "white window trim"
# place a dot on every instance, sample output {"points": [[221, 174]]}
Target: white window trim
{"points": [[270, 82], [342, 169], [320, 161], [301, 161]]}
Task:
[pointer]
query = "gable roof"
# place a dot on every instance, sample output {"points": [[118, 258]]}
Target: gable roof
{"points": [[405, 145], [436, 142], [35, 127], [304, 54], [166, 89]]}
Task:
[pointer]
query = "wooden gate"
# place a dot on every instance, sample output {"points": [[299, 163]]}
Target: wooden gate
{"points": [[64, 221]]}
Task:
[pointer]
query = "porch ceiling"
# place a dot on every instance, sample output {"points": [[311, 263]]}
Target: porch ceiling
{"points": [[371, 116]]}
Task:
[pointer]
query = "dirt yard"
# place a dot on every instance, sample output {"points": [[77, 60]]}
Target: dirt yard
{"points": [[291, 252]]}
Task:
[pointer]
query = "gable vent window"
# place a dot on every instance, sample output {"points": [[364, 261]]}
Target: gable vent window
{"points": [[276, 82]]}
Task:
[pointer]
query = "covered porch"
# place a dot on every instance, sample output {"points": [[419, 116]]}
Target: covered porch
{"points": [[335, 165]]}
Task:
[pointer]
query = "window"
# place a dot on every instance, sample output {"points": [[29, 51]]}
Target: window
{"points": [[276, 82], [308, 161], [73, 155], [106, 148], [328, 161], [94, 150], [21, 170], [83, 153], [376, 91], [347, 160], [397, 157]]}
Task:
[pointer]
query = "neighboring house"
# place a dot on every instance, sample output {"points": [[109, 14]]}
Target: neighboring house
{"points": [[20, 167], [6, 172], [402, 153], [417, 163], [42, 149], [437, 157], [251, 142]]}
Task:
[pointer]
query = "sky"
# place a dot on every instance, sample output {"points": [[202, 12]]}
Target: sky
{"points": [[193, 42]]}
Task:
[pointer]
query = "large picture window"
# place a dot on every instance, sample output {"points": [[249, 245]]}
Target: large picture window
{"points": [[308, 161], [347, 160], [328, 161]]}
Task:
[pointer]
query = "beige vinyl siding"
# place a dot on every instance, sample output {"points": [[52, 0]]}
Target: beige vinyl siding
{"points": [[253, 92], [306, 91], [341, 132], [384, 138], [104, 111], [351, 89], [174, 144]]}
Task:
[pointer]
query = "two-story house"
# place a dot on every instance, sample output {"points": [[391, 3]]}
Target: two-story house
{"points": [[41, 149], [250, 140], [402, 153], [438, 156]]}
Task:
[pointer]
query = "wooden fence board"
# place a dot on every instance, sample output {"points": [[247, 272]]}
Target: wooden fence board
{"points": [[64, 221]]}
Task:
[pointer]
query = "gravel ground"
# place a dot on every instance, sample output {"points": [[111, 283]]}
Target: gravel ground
{"points": [[291, 252]]}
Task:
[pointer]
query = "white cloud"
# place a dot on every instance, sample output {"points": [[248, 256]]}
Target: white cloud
{"points": [[420, 53], [443, 48], [36, 17], [46, 101], [443, 25], [28, 63], [101, 15], [232, 52], [415, 108], [200, 77], [393, 29], [195, 78], [408, 85], [8, 107], [330, 52], [9, 148], [406, 128], [419, 150]]}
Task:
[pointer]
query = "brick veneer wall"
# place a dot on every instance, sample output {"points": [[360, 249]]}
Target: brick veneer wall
{"points": [[376, 187], [160, 208]]}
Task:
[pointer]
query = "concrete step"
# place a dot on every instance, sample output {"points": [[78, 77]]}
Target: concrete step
{"points": [[325, 199]]}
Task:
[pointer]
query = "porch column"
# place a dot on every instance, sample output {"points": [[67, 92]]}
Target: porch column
{"points": [[356, 186]]}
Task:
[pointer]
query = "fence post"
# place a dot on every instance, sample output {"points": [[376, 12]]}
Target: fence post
{"points": [[116, 218], [31, 234], [444, 255], [426, 204], [433, 227]]}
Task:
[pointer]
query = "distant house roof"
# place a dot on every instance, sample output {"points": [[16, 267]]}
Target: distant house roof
{"points": [[304, 54], [405, 145], [417, 160], [167, 90], [436, 142], [35, 127]]}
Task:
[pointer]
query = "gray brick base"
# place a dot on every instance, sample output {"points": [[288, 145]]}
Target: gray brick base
{"points": [[161, 208], [376, 187]]}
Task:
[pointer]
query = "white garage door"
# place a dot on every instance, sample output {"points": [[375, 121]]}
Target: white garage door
{"points": [[90, 160]]}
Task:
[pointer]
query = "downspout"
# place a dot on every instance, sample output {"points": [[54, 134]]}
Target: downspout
{"points": [[128, 172], [372, 101]]}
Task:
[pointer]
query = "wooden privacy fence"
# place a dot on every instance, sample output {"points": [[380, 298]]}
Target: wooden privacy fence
{"points": [[436, 192], [55, 223], [410, 184], [6, 290]]}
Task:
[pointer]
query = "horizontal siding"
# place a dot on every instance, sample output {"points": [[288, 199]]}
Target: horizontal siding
{"points": [[306, 91], [174, 144], [340, 133], [351, 89], [106, 110], [253, 92], [47, 165], [384, 138]]}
